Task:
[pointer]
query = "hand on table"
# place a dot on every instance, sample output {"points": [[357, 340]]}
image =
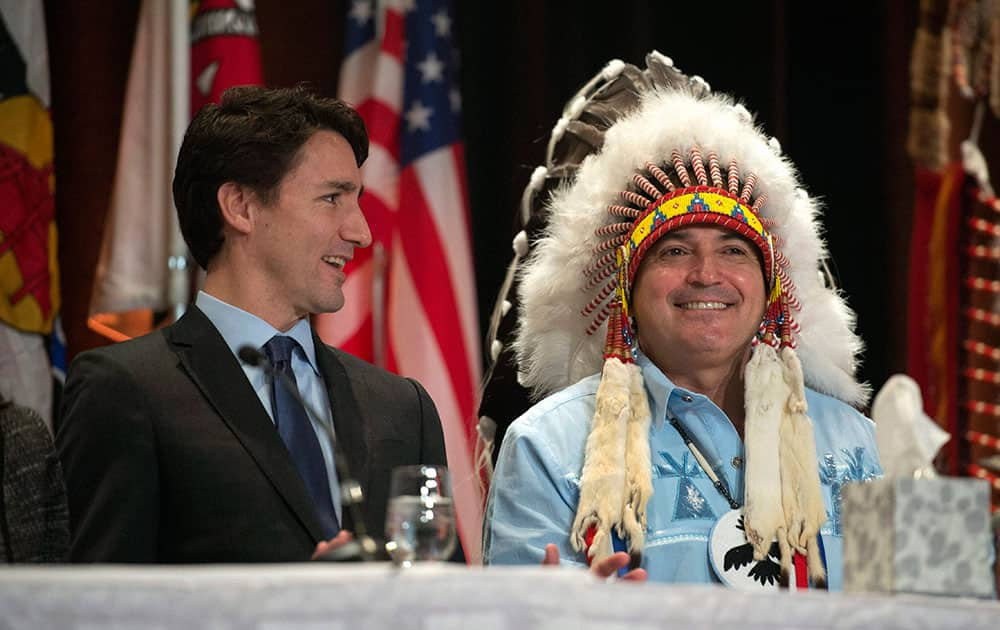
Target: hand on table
{"points": [[603, 569], [341, 539]]}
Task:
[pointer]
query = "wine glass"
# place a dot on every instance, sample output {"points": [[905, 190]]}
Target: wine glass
{"points": [[420, 520]]}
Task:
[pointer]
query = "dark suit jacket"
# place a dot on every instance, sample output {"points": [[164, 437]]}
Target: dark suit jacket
{"points": [[170, 457], [34, 526]]}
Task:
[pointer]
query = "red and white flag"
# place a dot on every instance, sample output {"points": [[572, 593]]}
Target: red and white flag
{"points": [[181, 60], [411, 300], [225, 51]]}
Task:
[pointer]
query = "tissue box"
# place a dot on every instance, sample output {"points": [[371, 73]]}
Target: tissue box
{"points": [[918, 536]]}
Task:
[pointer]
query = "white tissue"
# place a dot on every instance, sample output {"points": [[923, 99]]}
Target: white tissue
{"points": [[907, 438]]}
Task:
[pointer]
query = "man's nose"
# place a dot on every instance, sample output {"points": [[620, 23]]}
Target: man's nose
{"points": [[355, 229], [704, 270]]}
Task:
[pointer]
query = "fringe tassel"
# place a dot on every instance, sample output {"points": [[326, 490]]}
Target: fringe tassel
{"points": [[788, 534], [805, 512], [766, 394], [602, 482], [638, 471]]}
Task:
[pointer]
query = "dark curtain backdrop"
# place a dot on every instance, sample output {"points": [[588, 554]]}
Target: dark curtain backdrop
{"points": [[828, 79]]}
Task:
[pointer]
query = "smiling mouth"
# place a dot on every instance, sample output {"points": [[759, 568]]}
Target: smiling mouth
{"points": [[336, 261], [703, 306]]}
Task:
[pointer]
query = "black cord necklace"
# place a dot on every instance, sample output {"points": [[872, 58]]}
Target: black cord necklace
{"points": [[721, 487]]}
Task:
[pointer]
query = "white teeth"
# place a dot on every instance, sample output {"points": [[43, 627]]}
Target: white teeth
{"points": [[703, 306], [336, 261]]}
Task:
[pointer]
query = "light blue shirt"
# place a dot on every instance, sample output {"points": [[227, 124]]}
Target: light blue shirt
{"points": [[240, 328], [535, 488]]}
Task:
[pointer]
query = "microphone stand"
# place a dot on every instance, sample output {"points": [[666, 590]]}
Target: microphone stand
{"points": [[363, 547]]}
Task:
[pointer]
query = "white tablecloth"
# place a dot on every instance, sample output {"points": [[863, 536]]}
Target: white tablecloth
{"points": [[275, 597]]}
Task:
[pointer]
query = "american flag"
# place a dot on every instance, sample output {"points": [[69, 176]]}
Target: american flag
{"points": [[411, 301]]}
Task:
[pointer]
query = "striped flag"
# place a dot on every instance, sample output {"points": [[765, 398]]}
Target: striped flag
{"points": [[411, 301]]}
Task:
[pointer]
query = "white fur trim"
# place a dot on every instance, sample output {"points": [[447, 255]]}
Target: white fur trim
{"points": [[802, 495], [602, 482], [811, 512], [638, 468], [765, 396]]}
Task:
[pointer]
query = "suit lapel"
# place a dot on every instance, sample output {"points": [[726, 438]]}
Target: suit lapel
{"points": [[213, 368], [347, 421]]}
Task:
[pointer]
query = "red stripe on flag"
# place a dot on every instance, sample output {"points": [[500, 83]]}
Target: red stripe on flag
{"points": [[392, 39], [424, 249], [383, 125]]}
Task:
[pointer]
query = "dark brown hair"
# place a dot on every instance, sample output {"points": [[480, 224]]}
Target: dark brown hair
{"points": [[253, 137]]}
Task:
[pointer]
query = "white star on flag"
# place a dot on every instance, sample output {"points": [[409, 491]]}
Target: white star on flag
{"points": [[431, 69], [442, 24], [361, 11], [419, 117], [403, 6]]}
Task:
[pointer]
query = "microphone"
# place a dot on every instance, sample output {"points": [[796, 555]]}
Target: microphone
{"points": [[363, 547]]}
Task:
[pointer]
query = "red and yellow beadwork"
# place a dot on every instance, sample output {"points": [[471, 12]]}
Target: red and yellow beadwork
{"points": [[713, 197]]}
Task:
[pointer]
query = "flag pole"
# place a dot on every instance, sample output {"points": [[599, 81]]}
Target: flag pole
{"points": [[179, 275], [378, 305]]}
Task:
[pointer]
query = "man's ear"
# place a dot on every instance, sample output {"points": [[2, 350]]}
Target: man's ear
{"points": [[235, 202]]}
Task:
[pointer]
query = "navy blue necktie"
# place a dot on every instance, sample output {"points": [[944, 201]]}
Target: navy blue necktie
{"points": [[297, 432]]}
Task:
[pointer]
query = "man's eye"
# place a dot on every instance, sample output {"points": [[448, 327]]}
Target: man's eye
{"points": [[738, 251]]}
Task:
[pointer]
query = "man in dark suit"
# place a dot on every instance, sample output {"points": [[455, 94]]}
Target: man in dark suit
{"points": [[168, 441]]}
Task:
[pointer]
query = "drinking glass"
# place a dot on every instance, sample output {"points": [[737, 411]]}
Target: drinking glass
{"points": [[420, 520]]}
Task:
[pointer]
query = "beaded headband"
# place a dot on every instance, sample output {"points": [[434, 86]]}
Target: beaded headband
{"points": [[658, 208]]}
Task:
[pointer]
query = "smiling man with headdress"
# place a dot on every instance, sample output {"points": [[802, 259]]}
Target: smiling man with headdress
{"points": [[681, 260]]}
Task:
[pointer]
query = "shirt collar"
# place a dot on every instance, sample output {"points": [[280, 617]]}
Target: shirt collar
{"points": [[240, 328], [658, 386]]}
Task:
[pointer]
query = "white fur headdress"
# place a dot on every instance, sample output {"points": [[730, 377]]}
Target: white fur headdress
{"points": [[677, 138]]}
